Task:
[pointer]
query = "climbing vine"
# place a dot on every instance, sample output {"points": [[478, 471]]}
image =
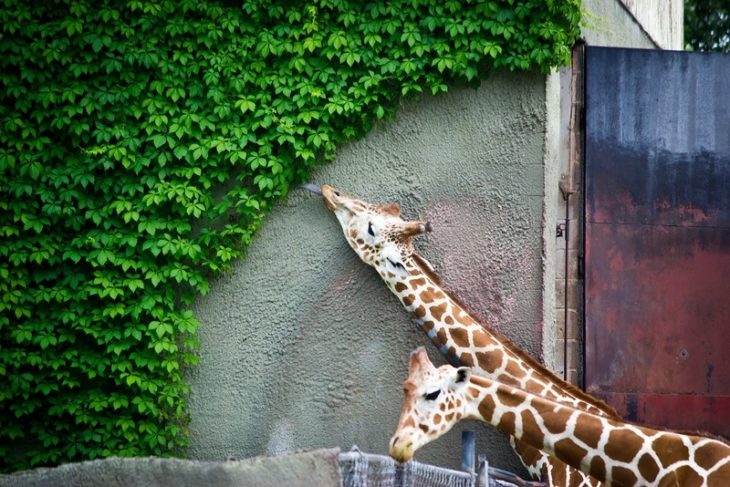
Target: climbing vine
{"points": [[142, 143]]}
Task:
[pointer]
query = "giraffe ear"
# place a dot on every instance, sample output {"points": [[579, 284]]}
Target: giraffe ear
{"points": [[419, 357]]}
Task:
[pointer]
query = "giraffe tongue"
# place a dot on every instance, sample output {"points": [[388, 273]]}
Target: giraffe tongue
{"points": [[311, 187]]}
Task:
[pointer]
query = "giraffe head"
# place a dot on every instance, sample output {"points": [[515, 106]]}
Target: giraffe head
{"points": [[376, 233], [435, 400]]}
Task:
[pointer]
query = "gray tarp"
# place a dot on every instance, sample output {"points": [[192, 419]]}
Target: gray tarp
{"points": [[315, 468]]}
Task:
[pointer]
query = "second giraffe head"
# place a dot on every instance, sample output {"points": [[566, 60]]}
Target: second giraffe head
{"points": [[435, 400]]}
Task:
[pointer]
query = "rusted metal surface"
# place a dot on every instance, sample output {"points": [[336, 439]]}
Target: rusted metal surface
{"points": [[657, 243]]}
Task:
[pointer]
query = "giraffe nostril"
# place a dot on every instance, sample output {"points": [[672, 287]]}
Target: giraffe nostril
{"points": [[395, 440]]}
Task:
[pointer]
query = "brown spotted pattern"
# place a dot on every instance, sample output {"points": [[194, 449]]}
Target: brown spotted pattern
{"points": [[612, 451]]}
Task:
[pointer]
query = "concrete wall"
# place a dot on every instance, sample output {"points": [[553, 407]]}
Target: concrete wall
{"points": [[663, 20], [611, 23], [303, 346]]}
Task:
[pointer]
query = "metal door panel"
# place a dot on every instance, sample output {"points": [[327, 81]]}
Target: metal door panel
{"points": [[678, 412], [657, 236]]}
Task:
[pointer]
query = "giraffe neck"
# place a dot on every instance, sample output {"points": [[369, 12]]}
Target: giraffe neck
{"points": [[464, 341], [607, 449]]}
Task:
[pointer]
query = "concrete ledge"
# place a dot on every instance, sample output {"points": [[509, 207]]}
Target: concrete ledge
{"points": [[315, 468]]}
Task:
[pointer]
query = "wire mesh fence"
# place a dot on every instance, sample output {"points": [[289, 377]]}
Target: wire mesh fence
{"points": [[358, 469]]}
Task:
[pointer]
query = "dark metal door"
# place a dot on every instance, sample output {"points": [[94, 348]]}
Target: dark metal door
{"points": [[657, 236]]}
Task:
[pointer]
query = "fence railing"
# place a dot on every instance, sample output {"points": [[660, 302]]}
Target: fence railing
{"points": [[358, 469]]}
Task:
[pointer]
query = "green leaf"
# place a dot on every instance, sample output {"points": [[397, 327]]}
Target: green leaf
{"points": [[245, 105], [159, 140]]}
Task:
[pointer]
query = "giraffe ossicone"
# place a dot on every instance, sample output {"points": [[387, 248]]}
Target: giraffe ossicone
{"points": [[609, 450], [383, 240]]}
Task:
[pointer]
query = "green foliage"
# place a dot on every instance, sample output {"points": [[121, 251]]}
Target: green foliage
{"points": [[707, 25], [142, 142]]}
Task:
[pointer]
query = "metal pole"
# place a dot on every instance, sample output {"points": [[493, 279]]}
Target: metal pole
{"points": [[468, 450], [566, 313], [483, 472]]}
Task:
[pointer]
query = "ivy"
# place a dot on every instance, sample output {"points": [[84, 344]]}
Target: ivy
{"points": [[142, 143]]}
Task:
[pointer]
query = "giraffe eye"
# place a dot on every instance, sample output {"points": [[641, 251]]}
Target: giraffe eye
{"points": [[431, 396], [337, 193], [370, 230]]}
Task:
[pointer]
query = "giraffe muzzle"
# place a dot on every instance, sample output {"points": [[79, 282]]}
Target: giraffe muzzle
{"points": [[331, 197], [402, 453]]}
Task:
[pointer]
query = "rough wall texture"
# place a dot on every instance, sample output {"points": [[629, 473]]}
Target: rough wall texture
{"points": [[303, 346]]}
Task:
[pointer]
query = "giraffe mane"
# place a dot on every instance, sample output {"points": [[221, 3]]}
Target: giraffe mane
{"points": [[509, 344], [483, 381], [700, 433], [424, 266]]}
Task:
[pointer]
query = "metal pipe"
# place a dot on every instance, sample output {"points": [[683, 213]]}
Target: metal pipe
{"points": [[482, 471], [468, 450], [565, 289]]}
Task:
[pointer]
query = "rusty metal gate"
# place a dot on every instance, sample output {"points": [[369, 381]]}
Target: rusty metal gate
{"points": [[657, 236]]}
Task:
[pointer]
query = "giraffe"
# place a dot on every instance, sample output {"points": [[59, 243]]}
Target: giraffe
{"points": [[383, 240], [613, 451]]}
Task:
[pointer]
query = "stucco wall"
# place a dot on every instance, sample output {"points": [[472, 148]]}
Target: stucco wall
{"points": [[303, 346]]}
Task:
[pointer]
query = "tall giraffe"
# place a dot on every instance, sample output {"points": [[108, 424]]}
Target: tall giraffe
{"points": [[616, 452], [384, 241]]}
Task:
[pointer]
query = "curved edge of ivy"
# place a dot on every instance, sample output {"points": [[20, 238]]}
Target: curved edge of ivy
{"points": [[143, 142]]}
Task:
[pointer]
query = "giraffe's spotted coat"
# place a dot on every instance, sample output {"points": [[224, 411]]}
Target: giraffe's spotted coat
{"points": [[611, 450], [466, 336]]}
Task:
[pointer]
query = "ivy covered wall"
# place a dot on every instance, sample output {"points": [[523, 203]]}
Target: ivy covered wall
{"points": [[142, 143]]}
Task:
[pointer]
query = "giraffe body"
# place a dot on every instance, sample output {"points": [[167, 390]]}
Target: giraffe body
{"points": [[384, 241], [613, 451]]}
